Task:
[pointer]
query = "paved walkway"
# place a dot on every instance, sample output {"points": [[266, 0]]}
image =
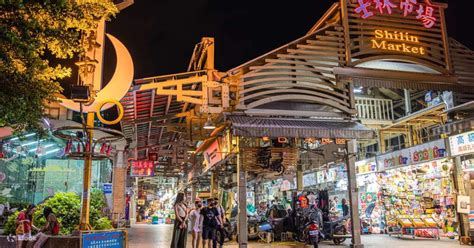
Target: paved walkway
{"points": [[159, 236]]}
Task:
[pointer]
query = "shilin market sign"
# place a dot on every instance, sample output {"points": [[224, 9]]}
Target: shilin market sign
{"points": [[422, 10]]}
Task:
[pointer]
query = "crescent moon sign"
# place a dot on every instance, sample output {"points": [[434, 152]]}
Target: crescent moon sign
{"points": [[118, 85]]}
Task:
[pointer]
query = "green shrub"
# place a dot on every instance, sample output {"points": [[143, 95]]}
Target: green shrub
{"points": [[103, 224], [10, 225], [67, 208]]}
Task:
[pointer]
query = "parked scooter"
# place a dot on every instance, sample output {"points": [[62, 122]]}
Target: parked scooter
{"points": [[335, 230]]}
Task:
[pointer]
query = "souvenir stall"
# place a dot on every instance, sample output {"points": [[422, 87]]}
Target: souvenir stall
{"points": [[370, 204], [420, 197]]}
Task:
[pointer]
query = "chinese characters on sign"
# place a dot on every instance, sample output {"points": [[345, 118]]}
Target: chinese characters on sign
{"points": [[103, 240], [142, 168], [462, 144], [424, 11]]}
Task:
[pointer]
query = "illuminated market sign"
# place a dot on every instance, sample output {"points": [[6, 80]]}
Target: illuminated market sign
{"points": [[425, 12], [398, 42], [462, 144], [142, 168]]}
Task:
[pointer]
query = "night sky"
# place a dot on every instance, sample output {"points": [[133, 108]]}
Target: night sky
{"points": [[161, 34]]}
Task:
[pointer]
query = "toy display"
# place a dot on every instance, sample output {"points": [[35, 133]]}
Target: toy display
{"points": [[417, 199]]}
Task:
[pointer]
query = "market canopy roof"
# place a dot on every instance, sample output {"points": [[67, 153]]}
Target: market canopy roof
{"points": [[298, 128]]}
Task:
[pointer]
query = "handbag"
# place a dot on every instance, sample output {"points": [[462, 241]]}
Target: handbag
{"points": [[20, 229]]}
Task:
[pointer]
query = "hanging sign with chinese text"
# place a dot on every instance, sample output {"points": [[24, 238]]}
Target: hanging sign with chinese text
{"points": [[142, 168], [422, 10], [462, 144]]}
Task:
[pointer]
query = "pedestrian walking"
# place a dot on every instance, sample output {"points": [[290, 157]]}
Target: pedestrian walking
{"points": [[210, 222], [180, 227], [196, 223]]}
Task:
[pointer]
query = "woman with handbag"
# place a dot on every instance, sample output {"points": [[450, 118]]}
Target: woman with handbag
{"points": [[24, 224], [180, 230]]}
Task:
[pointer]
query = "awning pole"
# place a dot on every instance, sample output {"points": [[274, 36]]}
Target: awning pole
{"points": [[353, 194], [242, 187]]}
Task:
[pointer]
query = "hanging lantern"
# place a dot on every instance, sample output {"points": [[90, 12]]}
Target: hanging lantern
{"points": [[68, 147], [88, 147], [103, 148], [109, 149]]}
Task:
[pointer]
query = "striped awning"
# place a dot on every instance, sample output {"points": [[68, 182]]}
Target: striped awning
{"points": [[298, 128]]}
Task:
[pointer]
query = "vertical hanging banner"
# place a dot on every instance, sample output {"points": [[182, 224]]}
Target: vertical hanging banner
{"points": [[212, 154]]}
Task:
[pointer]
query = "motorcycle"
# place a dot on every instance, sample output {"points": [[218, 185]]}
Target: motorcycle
{"points": [[335, 230], [230, 231]]}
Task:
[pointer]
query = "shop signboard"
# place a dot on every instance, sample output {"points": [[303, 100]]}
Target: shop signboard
{"points": [[462, 144], [104, 239], [464, 204], [423, 11], [142, 168], [212, 155], [414, 155], [366, 166]]}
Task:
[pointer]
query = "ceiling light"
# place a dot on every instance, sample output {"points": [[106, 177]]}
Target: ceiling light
{"points": [[209, 125]]}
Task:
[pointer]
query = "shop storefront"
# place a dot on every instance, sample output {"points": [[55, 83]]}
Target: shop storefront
{"points": [[462, 150], [417, 191]]}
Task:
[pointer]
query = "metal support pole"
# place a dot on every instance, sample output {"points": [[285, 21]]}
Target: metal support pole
{"points": [[407, 101], [299, 178], [242, 191], [353, 194], [214, 185], [460, 187], [86, 185], [193, 193]]}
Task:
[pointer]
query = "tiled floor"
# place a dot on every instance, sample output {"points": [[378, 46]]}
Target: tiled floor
{"points": [[159, 236]]}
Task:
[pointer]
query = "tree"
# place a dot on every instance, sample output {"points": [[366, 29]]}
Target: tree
{"points": [[30, 30]]}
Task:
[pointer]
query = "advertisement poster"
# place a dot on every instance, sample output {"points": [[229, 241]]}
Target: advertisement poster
{"points": [[464, 204], [462, 144], [103, 240], [321, 176], [309, 179]]}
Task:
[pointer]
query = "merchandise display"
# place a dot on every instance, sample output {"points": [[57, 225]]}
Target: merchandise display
{"points": [[417, 198]]}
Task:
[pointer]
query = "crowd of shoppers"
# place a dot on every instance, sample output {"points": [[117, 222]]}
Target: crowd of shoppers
{"points": [[206, 221]]}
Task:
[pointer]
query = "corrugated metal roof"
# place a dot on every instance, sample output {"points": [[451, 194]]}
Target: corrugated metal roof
{"points": [[298, 128]]}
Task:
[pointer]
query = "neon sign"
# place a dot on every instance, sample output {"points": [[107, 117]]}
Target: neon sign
{"points": [[397, 41], [424, 12]]}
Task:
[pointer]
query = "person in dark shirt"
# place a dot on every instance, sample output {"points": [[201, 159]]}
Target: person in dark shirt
{"points": [[345, 208], [210, 222]]}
